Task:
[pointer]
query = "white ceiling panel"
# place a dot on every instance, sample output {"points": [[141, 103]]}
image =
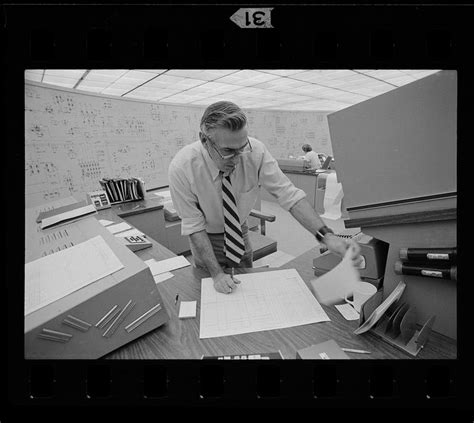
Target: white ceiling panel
{"points": [[34, 75], [247, 78], [213, 88], [201, 74], [284, 89], [106, 74], [58, 80], [66, 73], [281, 72]]}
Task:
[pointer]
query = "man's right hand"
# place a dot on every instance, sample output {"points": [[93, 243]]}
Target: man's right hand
{"points": [[224, 283]]}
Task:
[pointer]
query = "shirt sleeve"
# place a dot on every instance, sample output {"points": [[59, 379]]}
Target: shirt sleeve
{"points": [[185, 202], [277, 183]]}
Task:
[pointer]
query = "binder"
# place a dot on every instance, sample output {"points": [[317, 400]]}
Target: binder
{"points": [[121, 190], [105, 186]]}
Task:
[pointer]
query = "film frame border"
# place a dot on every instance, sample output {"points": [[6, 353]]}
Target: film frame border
{"points": [[102, 42]]}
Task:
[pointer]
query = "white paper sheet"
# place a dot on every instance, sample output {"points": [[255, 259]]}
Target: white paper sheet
{"points": [[131, 232], [52, 277], [105, 222], [187, 309], [166, 265], [165, 194], [119, 227], [162, 277], [332, 198], [331, 287], [262, 301], [68, 216]]}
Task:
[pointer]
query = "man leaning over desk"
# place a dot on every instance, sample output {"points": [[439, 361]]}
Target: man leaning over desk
{"points": [[214, 184]]}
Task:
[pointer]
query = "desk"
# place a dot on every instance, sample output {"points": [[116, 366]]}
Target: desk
{"points": [[148, 216], [179, 339]]}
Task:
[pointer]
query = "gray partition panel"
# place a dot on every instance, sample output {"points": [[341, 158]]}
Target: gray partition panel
{"points": [[399, 145]]}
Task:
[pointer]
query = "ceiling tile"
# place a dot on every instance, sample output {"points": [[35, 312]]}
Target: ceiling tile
{"points": [[201, 74]]}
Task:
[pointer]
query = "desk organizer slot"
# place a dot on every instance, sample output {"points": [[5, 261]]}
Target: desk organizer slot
{"points": [[397, 325]]}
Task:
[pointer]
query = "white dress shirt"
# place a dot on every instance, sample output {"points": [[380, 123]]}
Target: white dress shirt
{"points": [[196, 186], [314, 162]]}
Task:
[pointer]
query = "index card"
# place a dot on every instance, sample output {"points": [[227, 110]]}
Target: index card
{"points": [[187, 309]]}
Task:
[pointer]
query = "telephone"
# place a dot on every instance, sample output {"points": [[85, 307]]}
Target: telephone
{"points": [[373, 251]]}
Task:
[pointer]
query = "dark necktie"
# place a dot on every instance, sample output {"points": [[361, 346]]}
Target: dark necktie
{"points": [[234, 247]]}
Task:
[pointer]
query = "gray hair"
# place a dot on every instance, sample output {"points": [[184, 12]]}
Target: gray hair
{"points": [[223, 114]]}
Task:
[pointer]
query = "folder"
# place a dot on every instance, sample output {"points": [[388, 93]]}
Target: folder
{"points": [[67, 216], [59, 210]]}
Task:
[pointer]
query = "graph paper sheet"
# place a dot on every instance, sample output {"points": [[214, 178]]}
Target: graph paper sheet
{"points": [[50, 278], [262, 301]]}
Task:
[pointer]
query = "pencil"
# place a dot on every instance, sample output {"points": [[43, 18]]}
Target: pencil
{"points": [[355, 351]]}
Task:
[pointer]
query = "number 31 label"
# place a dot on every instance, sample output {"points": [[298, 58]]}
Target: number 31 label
{"points": [[253, 18]]}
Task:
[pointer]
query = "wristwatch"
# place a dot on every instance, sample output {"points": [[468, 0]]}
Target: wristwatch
{"points": [[323, 231]]}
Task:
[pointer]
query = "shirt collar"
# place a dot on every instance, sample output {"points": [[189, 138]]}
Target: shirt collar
{"points": [[210, 163]]}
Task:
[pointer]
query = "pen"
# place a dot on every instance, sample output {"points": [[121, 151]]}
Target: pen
{"points": [[355, 351], [176, 299]]}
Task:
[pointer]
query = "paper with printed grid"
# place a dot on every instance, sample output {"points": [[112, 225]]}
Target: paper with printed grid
{"points": [[262, 301]]}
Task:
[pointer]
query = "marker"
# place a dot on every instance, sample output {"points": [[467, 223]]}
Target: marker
{"points": [[435, 271], [355, 351], [429, 254], [176, 299]]}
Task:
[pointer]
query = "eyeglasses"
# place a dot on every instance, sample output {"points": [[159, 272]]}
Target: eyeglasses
{"points": [[236, 151]]}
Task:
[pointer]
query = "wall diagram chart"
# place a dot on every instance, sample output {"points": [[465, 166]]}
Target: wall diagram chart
{"points": [[73, 139]]}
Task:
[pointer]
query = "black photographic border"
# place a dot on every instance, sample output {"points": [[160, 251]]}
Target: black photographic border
{"points": [[202, 36]]}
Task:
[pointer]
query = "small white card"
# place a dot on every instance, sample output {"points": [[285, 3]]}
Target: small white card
{"points": [[105, 222], [187, 309], [347, 311], [167, 265], [162, 277], [119, 227], [164, 194], [131, 232]]}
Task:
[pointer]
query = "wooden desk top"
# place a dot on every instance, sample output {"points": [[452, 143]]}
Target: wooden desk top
{"points": [[179, 339]]}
